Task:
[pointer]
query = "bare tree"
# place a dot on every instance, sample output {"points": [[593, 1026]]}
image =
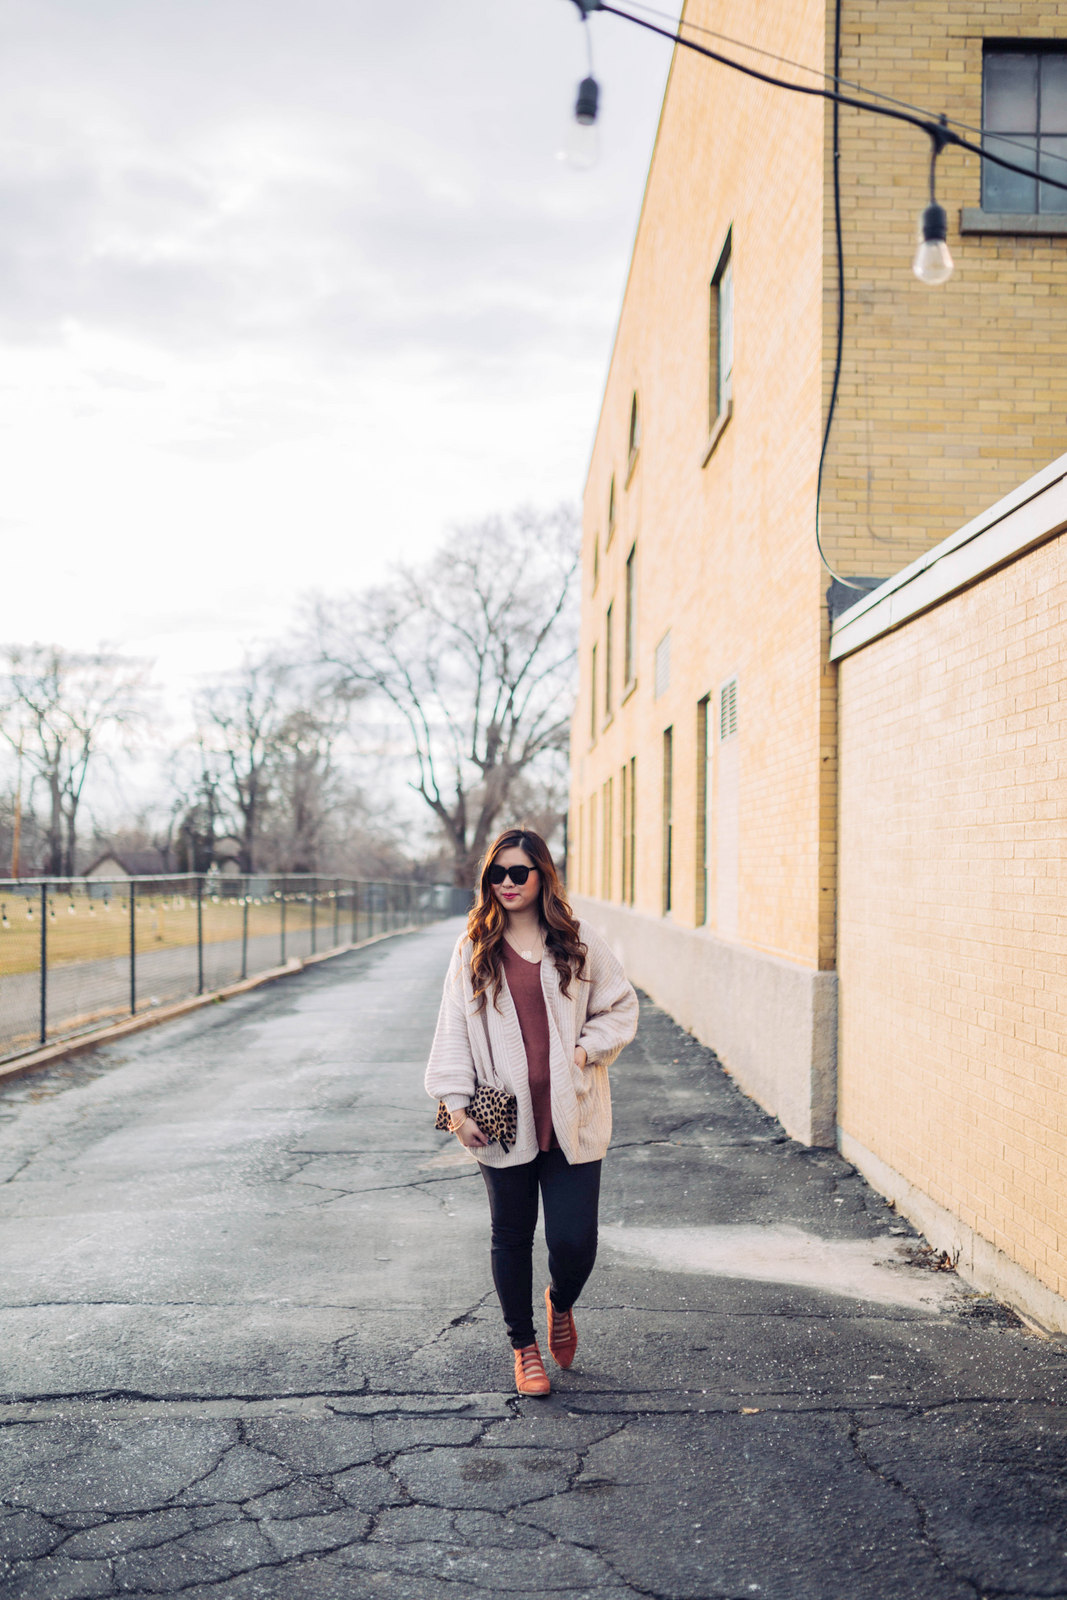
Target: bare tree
{"points": [[241, 717], [474, 651], [58, 707], [18, 821], [308, 789], [269, 734]]}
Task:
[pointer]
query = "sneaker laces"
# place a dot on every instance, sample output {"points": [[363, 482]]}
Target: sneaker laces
{"points": [[530, 1361]]}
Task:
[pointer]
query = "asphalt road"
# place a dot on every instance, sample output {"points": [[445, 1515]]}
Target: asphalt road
{"points": [[249, 1348]]}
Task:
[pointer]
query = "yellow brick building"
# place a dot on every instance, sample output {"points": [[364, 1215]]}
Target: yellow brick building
{"points": [[704, 803]]}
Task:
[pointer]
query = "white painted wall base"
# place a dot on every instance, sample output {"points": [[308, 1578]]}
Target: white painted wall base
{"points": [[979, 1263], [772, 1023]]}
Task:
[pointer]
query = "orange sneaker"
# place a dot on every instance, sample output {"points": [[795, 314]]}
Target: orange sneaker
{"points": [[530, 1374], [562, 1334]]}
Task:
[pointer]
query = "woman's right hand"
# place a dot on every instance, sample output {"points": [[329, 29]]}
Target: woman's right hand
{"points": [[470, 1135]]}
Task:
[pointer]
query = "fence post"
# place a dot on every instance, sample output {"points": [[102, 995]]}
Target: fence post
{"points": [[244, 935], [336, 912], [283, 923], [199, 934], [313, 890], [133, 947], [44, 961]]}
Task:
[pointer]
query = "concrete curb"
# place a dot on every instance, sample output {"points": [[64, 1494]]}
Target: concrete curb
{"points": [[62, 1048]]}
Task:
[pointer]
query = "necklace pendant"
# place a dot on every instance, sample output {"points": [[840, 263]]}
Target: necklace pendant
{"points": [[527, 955]]}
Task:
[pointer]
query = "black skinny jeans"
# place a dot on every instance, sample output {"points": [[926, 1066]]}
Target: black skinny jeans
{"points": [[572, 1198]]}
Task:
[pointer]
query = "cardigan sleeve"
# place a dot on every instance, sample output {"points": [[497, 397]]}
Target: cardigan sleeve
{"points": [[612, 1010], [450, 1072]]}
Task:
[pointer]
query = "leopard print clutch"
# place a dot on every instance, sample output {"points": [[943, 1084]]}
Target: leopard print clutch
{"points": [[494, 1110]]}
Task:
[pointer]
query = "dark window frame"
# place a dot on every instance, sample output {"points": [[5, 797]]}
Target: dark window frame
{"points": [[631, 882], [592, 696], [609, 665], [634, 444], [668, 818], [629, 643], [720, 388], [1036, 49], [705, 722]]}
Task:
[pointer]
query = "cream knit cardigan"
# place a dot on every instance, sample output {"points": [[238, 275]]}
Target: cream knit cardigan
{"points": [[600, 1014]]}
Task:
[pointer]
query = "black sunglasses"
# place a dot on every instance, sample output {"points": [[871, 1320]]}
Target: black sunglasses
{"points": [[518, 875]]}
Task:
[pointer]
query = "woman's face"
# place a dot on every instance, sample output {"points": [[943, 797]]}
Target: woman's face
{"points": [[510, 895]]}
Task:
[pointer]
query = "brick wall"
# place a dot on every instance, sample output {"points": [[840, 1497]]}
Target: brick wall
{"points": [[953, 982], [949, 396], [726, 552]]}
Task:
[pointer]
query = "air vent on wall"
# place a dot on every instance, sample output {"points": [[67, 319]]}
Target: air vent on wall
{"points": [[663, 665], [728, 709]]}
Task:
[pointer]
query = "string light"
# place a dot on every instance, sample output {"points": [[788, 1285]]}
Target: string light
{"points": [[933, 262], [581, 143]]}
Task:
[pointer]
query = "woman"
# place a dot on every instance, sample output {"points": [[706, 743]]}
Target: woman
{"points": [[534, 1003]]}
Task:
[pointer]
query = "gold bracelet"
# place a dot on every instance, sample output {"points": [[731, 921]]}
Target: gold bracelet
{"points": [[455, 1126]]}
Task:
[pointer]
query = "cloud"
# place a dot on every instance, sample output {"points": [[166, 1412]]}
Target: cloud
{"points": [[384, 184], [267, 268]]}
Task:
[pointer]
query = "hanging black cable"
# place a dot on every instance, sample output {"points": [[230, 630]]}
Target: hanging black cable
{"points": [[815, 72], [933, 228], [934, 127], [839, 353]]}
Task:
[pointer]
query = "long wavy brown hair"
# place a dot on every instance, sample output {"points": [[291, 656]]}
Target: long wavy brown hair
{"points": [[488, 919]]}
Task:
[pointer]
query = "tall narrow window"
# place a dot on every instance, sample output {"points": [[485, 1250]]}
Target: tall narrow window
{"points": [[596, 562], [581, 872], [728, 815], [635, 433], [705, 725], [609, 656], [592, 844], [721, 335], [629, 647], [1024, 119], [607, 829], [628, 887], [611, 509], [668, 814], [624, 827], [592, 696]]}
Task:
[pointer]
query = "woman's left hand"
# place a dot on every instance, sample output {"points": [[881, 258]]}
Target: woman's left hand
{"points": [[580, 1057]]}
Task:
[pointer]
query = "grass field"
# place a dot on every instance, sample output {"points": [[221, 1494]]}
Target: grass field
{"points": [[84, 930]]}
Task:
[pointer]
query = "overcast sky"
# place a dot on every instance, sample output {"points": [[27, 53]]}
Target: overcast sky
{"points": [[286, 289]]}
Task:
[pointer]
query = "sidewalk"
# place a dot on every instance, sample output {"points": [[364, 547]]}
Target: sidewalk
{"points": [[249, 1348]]}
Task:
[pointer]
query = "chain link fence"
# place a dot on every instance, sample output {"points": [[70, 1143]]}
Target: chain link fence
{"points": [[78, 953]]}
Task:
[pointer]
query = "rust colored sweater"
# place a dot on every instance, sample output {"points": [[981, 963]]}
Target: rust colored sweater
{"points": [[524, 985]]}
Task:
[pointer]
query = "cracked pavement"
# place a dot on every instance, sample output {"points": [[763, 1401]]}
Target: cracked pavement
{"points": [[249, 1347]]}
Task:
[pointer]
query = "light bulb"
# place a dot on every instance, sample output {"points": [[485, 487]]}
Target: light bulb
{"points": [[933, 262], [581, 146], [581, 143]]}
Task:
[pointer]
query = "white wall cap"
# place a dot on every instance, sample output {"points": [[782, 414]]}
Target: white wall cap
{"points": [[1026, 517]]}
